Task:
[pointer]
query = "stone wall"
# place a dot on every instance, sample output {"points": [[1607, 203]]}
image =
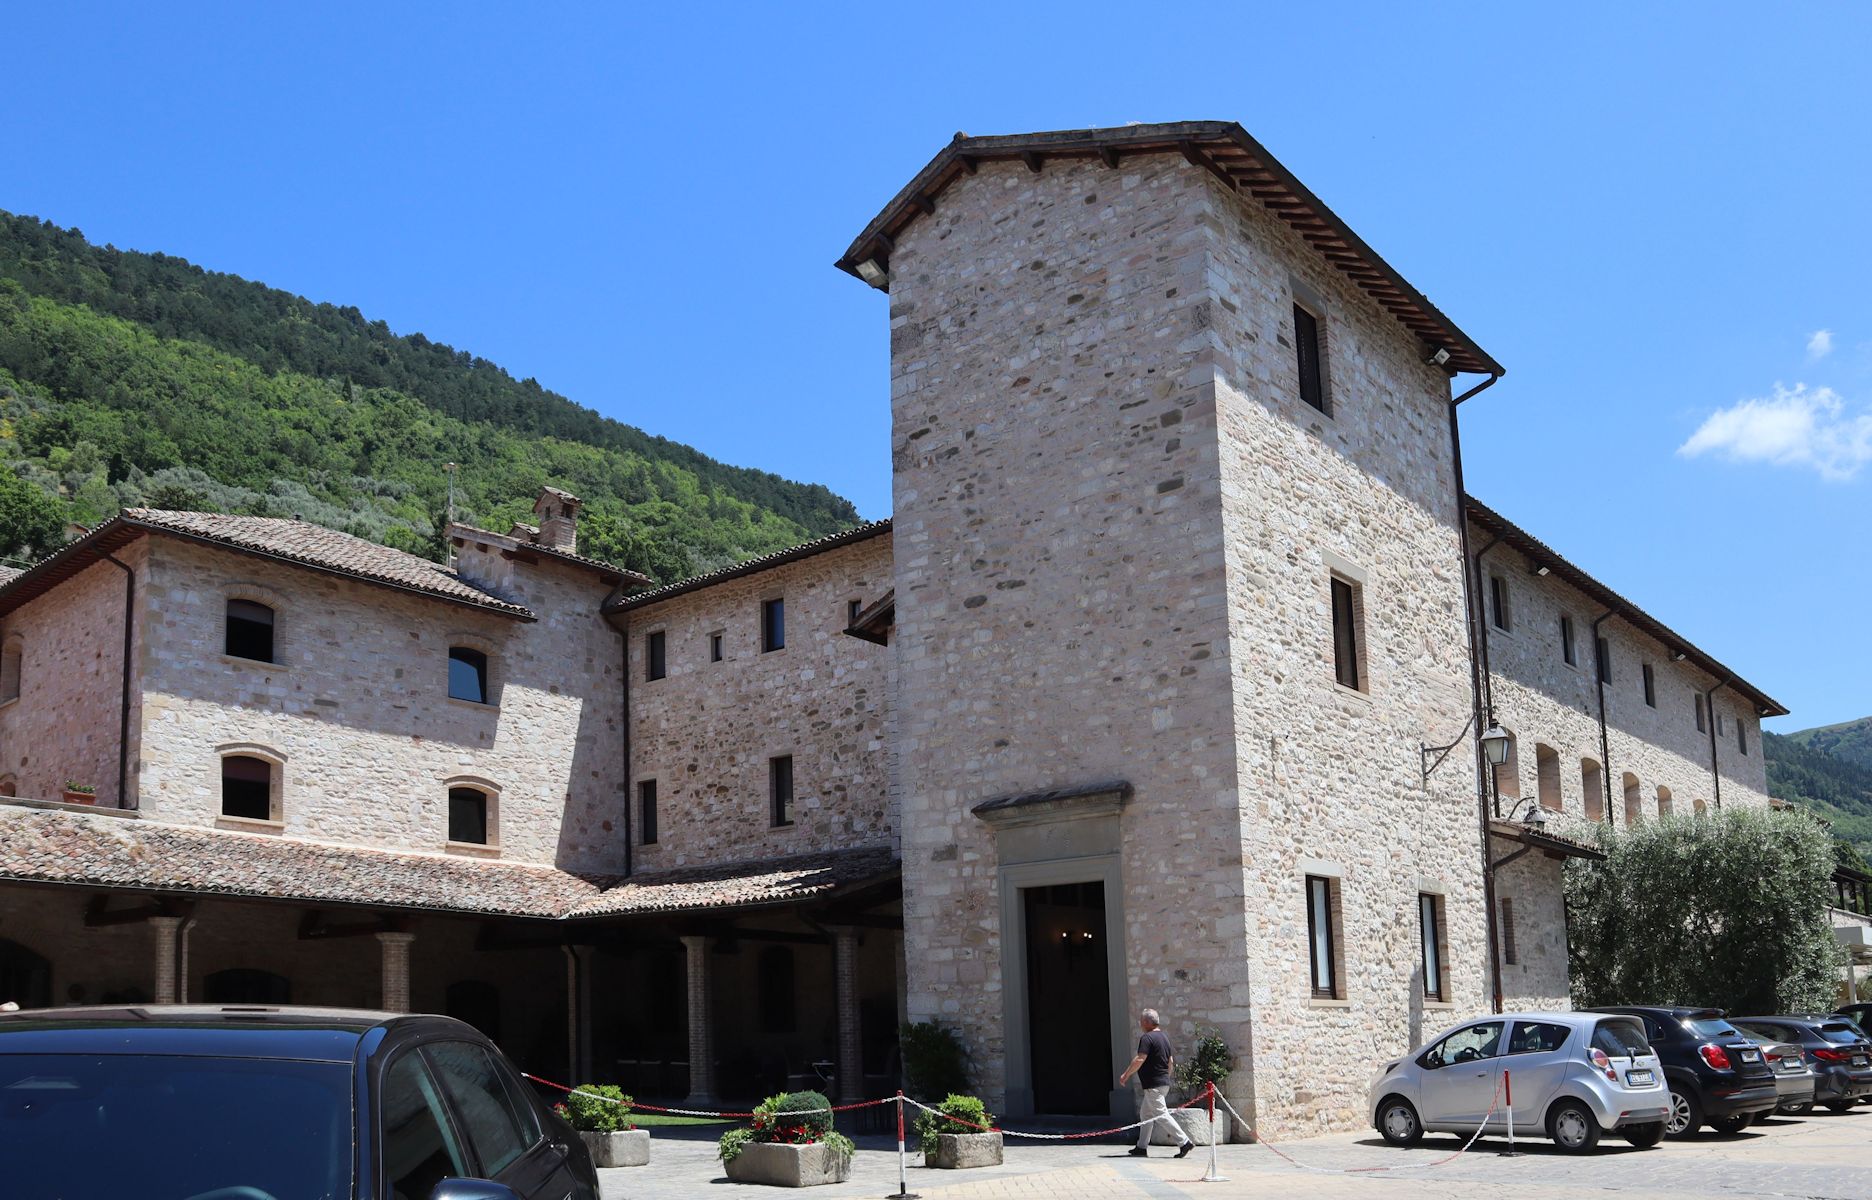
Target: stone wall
{"points": [[1530, 896], [65, 724], [356, 707], [707, 730]]}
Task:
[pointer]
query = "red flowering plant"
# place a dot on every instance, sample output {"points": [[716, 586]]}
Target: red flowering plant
{"points": [[789, 1119]]}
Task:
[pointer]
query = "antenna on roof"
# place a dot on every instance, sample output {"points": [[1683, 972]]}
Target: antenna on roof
{"points": [[448, 543]]}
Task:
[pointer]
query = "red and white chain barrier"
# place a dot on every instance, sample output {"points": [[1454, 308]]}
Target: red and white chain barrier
{"points": [[1261, 1138]]}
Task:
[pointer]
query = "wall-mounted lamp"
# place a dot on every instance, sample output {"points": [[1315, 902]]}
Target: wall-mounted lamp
{"points": [[1438, 357], [1677, 656], [1542, 569], [1494, 740], [872, 273]]}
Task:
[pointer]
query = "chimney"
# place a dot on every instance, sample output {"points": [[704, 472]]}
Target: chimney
{"points": [[557, 512]]}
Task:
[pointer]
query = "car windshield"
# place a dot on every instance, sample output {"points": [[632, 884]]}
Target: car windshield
{"points": [[1621, 1039], [171, 1127], [1711, 1027], [1839, 1032]]}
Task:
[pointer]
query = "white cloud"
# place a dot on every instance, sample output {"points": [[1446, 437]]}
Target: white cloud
{"points": [[1819, 345], [1794, 427]]}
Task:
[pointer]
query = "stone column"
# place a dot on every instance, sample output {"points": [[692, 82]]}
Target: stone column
{"points": [[165, 931], [396, 948], [701, 1034], [850, 1044]]}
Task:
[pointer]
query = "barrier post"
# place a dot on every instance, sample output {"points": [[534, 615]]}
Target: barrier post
{"points": [[903, 1177], [1214, 1175], [1507, 1082]]}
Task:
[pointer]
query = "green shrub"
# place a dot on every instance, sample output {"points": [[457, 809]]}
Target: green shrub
{"points": [[791, 1118], [1209, 1062], [930, 1125], [590, 1114], [934, 1062]]}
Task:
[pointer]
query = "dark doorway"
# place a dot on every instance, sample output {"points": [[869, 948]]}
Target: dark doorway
{"points": [[1068, 998], [25, 977], [477, 1002]]}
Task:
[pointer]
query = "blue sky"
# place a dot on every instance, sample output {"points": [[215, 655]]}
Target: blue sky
{"points": [[1647, 216]]}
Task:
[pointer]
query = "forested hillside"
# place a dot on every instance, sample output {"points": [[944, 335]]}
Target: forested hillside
{"points": [[1838, 789], [140, 379], [1850, 741]]}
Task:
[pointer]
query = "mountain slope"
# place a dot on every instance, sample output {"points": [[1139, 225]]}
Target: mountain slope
{"points": [[130, 378], [1850, 741], [1837, 788]]}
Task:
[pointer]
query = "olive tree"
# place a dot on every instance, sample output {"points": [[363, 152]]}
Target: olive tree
{"points": [[1727, 909]]}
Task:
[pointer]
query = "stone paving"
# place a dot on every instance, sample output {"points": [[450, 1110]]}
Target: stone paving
{"points": [[1823, 1157]]}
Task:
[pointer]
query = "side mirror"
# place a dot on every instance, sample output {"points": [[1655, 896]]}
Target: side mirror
{"points": [[472, 1189]]}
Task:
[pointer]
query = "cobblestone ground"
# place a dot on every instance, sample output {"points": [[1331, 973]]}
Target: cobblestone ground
{"points": [[1824, 1157]]}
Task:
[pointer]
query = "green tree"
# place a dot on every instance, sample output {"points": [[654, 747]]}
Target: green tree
{"points": [[31, 522], [1727, 909]]}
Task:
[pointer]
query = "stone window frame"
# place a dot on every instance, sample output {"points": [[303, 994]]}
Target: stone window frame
{"points": [[1354, 577], [12, 667], [488, 788], [774, 809], [649, 814], [1332, 875], [717, 645], [1569, 642], [1434, 892], [1501, 604], [276, 785], [1310, 301], [767, 598], [255, 593], [484, 646], [1648, 677]]}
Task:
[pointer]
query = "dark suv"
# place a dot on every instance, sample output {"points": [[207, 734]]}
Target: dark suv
{"points": [[1716, 1075], [239, 1103], [1836, 1049], [1858, 1014]]}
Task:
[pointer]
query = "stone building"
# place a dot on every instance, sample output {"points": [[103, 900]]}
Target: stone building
{"points": [[1161, 686]]}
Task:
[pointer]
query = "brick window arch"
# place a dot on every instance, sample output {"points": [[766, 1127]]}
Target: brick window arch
{"points": [[1663, 801], [1592, 787], [1547, 777], [1634, 799], [252, 783], [473, 812]]}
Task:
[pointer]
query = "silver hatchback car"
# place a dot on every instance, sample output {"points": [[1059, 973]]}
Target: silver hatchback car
{"points": [[1564, 1075]]}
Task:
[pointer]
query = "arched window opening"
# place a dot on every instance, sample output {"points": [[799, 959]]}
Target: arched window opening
{"points": [[1663, 801], [468, 675], [249, 631], [1592, 786], [775, 987], [469, 810], [1547, 778], [247, 787], [1634, 800], [9, 786], [1701, 807]]}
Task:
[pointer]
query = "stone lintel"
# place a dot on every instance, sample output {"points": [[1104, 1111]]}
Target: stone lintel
{"points": [[1057, 804]]}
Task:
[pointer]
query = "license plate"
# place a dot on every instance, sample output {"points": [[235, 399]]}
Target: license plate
{"points": [[1640, 1078], [1860, 1061], [1751, 1056]]}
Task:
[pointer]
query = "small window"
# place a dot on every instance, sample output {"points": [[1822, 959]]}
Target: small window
{"points": [[1509, 951], [1547, 778], [249, 631], [780, 789], [773, 624], [1323, 936], [1721, 729], [647, 812], [9, 786], [654, 664], [468, 816], [1348, 611], [1498, 602], [852, 609], [1650, 686], [1602, 659], [1702, 716], [714, 647], [246, 787], [1634, 799], [1567, 649], [10, 658], [1665, 805], [1310, 355], [1592, 789], [468, 675], [1742, 735], [1430, 933]]}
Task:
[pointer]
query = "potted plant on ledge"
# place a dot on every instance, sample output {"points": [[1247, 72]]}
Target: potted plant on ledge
{"points": [[959, 1135], [1209, 1063], [789, 1142], [600, 1112], [79, 793]]}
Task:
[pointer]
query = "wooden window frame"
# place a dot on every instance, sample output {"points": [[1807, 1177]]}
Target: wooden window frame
{"points": [[656, 655], [1433, 946], [780, 791], [1322, 893], [773, 624], [1347, 602], [1309, 327]]}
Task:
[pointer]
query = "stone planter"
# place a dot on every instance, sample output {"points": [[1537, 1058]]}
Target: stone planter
{"points": [[80, 797], [625, 1148], [1193, 1122], [958, 1151], [781, 1165]]}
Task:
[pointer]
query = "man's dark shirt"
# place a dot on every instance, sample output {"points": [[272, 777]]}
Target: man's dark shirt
{"points": [[1155, 1047]]}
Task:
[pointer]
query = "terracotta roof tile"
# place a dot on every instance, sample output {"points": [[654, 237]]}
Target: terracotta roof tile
{"points": [[8, 574], [831, 541], [742, 885]]}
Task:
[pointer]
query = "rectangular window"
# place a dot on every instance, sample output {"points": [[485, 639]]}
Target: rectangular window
{"points": [[654, 664], [246, 787], [1650, 686], [1721, 729], [1510, 954], [852, 609], [773, 624], [714, 647], [1311, 358], [1702, 717], [249, 631], [1430, 930], [1567, 650], [1742, 735], [646, 812], [780, 789], [468, 816], [467, 678], [1322, 937], [1602, 658], [1348, 633], [1498, 601]]}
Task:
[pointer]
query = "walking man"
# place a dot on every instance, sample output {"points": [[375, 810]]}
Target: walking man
{"points": [[1152, 1068]]}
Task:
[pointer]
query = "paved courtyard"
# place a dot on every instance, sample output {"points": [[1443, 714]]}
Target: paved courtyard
{"points": [[1824, 1157]]}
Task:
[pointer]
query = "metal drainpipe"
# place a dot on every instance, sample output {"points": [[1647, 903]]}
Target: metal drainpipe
{"points": [[1487, 716], [1475, 695], [630, 793], [1601, 668], [1709, 721], [123, 706]]}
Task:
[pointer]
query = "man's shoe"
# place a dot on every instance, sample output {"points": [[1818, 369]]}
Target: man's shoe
{"points": [[1139, 1152], [1185, 1148]]}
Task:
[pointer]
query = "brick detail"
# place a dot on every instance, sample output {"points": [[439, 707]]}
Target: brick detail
{"points": [[850, 1032], [701, 1023], [163, 939], [396, 975]]}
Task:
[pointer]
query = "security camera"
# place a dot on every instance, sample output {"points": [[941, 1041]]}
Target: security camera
{"points": [[1438, 357]]}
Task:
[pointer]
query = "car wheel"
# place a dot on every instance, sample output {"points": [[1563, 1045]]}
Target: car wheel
{"points": [[1841, 1106], [1798, 1110], [1644, 1136], [1686, 1115], [1398, 1122], [1572, 1127], [1735, 1124]]}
